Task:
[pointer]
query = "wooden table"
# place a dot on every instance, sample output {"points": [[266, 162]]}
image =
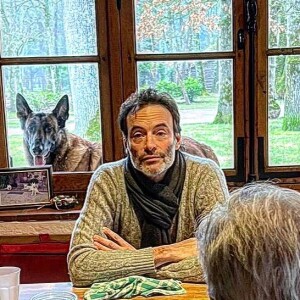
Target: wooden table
{"points": [[194, 291]]}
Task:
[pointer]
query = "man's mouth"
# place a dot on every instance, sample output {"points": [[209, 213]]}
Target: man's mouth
{"points": [[151, 158]]}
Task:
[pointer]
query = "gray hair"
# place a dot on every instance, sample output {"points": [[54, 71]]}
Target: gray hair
{"points": [[250, 245]]}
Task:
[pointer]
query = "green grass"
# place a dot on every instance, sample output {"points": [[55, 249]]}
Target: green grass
{"points": [[284, 146], [203, 102], [219, 137], [16, 150]]}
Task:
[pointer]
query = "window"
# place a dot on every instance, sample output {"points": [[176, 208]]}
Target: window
{"points": [[189, 49], [50, 49], [50, 30], [278, 89]]}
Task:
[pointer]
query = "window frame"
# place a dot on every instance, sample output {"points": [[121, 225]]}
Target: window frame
{"points": [[286, 174]]}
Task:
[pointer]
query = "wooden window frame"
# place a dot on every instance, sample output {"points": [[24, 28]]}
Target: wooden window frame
{"points": [[288, 176], [108, 60]]}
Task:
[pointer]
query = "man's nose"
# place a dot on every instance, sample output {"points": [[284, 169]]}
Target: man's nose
{"points": [[150, 144]]}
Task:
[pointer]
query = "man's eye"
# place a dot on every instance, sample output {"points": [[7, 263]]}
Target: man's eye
{"points": [[137, 135], [161, 133]]}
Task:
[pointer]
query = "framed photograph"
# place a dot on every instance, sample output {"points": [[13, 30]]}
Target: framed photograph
{"points": [[25, 186]]}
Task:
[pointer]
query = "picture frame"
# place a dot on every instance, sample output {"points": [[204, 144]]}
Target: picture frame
{"points": [[25, 187]]}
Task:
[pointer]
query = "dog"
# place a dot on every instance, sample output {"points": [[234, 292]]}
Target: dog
{"points": [[196, 148], [9, 187], [33, 188], [46, 140]]}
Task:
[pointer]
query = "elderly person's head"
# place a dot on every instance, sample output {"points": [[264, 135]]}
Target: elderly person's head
{"points": [[149, 122], [250, 245]]}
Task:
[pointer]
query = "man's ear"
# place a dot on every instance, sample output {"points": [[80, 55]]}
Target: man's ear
{"points": [[178, 140]]}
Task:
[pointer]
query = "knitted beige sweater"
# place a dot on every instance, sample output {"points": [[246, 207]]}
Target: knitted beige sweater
{"points": [[107, 204]]}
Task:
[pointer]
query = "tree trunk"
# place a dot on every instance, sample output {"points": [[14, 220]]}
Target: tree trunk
{"points": [[84, 78], [291, 120], [180, 79], [224, 113]]}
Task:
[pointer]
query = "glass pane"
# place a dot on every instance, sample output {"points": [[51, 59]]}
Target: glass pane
{"points": [[203, 92], [284, 110], [175, 26], [47, 28], [284, 24], [42, 86]]}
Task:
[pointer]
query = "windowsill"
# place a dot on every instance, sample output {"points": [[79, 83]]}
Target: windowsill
{"points": [[43, 214]]}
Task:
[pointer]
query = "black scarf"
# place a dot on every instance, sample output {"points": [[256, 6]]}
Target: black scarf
{"points": [[156, 204]]}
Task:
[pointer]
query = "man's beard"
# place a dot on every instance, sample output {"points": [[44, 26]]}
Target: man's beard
{"points": [[168, 159]]}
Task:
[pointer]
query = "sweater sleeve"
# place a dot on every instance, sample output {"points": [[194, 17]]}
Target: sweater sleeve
{"points": [[87, 264], [211, 188], [187, 270], [206, 185]]}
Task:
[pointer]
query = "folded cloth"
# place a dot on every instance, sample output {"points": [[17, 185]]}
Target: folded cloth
{"points": [[132, 286]]}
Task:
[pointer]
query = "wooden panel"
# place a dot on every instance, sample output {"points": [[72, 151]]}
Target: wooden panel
{"points": [[128, 48], [3, 142], [104, 76], [115, 75], [71, 182]]}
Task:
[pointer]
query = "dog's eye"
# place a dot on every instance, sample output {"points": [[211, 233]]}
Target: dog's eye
{"points": [[48, 129], [31, 129]]}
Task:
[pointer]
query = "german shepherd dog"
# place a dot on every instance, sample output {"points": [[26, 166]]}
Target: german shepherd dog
{"points": [[46, 140], [196, 148]]}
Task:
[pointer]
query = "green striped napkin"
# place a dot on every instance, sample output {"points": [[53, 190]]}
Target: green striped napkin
{"points": [[132, 286]]}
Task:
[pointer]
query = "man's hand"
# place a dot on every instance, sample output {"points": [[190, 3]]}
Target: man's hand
{"points": [[112, 242], [174, 252]]}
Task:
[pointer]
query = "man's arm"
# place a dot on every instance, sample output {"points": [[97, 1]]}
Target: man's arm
{"points": [[174, 253], [162, 255], [87, 264], [177, 261]]}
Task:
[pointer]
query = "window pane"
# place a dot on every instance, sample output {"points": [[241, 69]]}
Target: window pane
{"points": [[284, 110], [203, 92], [47, 28], [174, 26], [43, 86], [284, 24]]}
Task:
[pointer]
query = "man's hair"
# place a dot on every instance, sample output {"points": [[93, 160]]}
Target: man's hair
{"points": [[149, 96], [250, 244]]}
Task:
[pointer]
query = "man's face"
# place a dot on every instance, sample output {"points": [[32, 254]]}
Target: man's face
{"points": [[151, 141]]}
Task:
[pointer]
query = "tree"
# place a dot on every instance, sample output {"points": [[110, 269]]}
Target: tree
{"points": [[177, 26], [284, 33], [79, 22], [224, 113]]}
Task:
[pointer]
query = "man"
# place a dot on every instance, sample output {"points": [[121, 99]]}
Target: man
{"points": [[140, 212], [250, 246]]}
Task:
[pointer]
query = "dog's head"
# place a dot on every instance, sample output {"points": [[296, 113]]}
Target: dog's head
{"points": [[42, 130]]}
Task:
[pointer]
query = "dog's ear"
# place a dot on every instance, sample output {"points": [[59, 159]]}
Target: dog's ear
{"points": [[61, 111], [23, 109]]}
